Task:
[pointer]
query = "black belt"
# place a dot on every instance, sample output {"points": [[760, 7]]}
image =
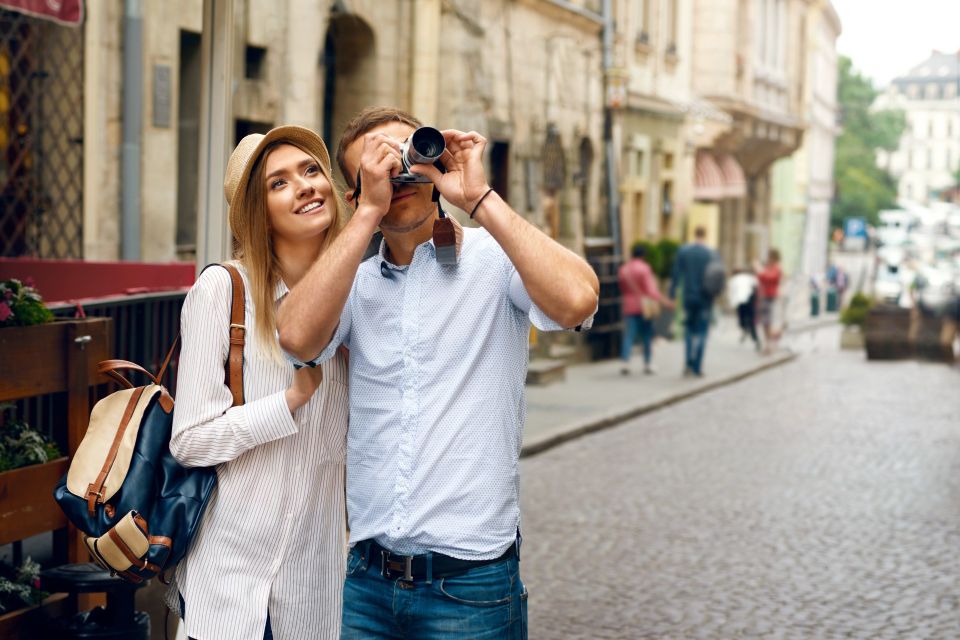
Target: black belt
{"points": [[394, 566]]}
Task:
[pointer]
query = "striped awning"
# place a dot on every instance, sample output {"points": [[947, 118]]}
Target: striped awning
{"points": [[733, 179], [708, 181], [718, 177]]}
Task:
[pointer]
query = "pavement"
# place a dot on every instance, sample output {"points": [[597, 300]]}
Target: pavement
{"points": [[815, 501], [597, 395]]}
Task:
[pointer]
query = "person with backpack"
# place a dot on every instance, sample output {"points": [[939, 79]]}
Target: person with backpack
{"points": [[698, 271], [641, 306], [268, 557]]}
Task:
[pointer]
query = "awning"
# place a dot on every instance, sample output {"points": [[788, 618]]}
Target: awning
{"points": [[734, 181], [708, 180], [718, 177], [65, 12]]}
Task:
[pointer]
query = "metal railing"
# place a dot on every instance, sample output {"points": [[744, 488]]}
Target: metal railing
{"points": [[144, 327]]}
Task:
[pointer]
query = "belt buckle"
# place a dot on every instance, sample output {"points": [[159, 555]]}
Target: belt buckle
{"points": [[386, 570]]}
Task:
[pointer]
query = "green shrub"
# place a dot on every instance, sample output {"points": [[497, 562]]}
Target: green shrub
{"points": [[855, 314], [21, 446], [667, 252], [21, 305]]}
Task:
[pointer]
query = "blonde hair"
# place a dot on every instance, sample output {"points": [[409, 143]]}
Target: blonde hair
{"points": [[253, 246]]}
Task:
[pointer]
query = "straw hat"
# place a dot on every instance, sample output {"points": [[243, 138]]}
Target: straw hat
{"points": [[242, 159]]}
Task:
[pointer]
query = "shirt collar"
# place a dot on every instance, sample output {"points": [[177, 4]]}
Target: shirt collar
{"points": [[281, 289]]}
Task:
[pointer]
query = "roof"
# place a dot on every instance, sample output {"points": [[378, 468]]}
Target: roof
{"points": [[938, 66]]}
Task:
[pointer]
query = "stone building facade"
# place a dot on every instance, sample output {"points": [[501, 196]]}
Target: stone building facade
{"points": [[525, 73], [926, 163], [749, 60], [654, 54], [803, 182]]}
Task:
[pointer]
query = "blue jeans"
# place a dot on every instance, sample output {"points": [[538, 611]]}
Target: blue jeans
{"points": [[696, 326], [485, 603], [634, 327]]}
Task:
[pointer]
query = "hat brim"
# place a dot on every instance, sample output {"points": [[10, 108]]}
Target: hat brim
{"points": [[298, 136]]}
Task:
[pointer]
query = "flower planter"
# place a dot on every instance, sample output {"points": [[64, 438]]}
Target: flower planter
{"points": [[24, 623], [851, 338], [27, 506], [36, 358], [887, 333]]}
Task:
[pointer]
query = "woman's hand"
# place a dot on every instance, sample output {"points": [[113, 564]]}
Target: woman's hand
{"points": [[304, 385]]}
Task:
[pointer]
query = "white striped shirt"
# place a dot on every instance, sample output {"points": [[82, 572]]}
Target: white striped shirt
{"points": [[272, 536]]}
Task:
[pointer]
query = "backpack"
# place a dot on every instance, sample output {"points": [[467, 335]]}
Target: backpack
{"points": [[136, 505], [714, 277]]}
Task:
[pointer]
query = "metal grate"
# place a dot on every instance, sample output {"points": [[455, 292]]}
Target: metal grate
{"points": [[41, 138]]}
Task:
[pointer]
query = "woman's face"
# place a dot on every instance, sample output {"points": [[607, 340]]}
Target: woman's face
{"points": [[300, 202]]}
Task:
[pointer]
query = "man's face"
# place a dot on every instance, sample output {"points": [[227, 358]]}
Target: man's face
{"points": [[411, 205]]}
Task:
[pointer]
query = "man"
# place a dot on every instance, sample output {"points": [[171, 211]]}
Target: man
{"points": [[438, 356], [689, 271]]}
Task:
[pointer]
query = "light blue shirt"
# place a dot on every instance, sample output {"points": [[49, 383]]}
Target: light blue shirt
{"points": [[438, 359]]}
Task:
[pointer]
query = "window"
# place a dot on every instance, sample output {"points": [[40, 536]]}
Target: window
{"points": [[643, 23], [672, 18], [253, 68], [933, 91]]}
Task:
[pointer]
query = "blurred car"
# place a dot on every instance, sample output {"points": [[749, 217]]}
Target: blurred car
{"points": [[888, 285], [935, 287], [894, 227]]}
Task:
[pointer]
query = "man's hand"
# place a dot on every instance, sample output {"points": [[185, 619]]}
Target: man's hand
{"points": [[464, 183], [379, 161]]}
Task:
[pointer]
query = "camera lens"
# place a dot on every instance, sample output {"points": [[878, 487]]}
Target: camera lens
{"points": [[428, 143]]}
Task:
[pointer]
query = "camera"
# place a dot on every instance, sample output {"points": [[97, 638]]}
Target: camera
{"points": [[424, 146]]}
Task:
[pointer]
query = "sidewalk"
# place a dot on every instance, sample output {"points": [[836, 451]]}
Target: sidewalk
{"points": [[596, 395]]}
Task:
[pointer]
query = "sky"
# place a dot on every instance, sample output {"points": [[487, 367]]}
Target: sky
{"points": [[885, 38]]}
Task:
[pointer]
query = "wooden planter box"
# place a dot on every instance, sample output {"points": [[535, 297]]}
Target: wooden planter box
{"points": [[887, 333], [27, 506], [35, 359]]}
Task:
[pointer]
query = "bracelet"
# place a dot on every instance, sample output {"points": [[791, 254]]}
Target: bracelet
{"points": [[477, 206]]}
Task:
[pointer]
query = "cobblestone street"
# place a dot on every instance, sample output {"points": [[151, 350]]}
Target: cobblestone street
{"points": [[820, 499]]}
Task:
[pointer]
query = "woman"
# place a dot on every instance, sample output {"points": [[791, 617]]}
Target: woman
{"points": [[768, 278], [268, 557], [641, 305]]}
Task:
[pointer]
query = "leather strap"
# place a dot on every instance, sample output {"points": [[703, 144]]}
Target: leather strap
{"points": [[234, 364], [110, 368], [95, 489]]}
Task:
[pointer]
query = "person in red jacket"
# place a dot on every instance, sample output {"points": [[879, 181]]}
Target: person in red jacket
{"points": [[768, 277], [641, 305]]}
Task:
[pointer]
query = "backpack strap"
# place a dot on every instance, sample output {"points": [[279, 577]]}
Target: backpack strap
{"points": [[95, 489]]}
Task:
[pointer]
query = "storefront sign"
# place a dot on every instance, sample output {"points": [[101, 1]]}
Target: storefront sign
{"points": [[66, 12]]}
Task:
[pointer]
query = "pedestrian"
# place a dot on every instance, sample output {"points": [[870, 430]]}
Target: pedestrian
{"points": [[642, 301], [268, 556], [768, 277], [438, 358], [742, 296], [689, 271]]}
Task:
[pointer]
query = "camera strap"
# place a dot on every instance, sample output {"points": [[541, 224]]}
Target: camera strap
{"points": [[447, 234]]}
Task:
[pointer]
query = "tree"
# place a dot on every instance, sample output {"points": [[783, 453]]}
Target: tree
{"points": [[862, 188]]}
